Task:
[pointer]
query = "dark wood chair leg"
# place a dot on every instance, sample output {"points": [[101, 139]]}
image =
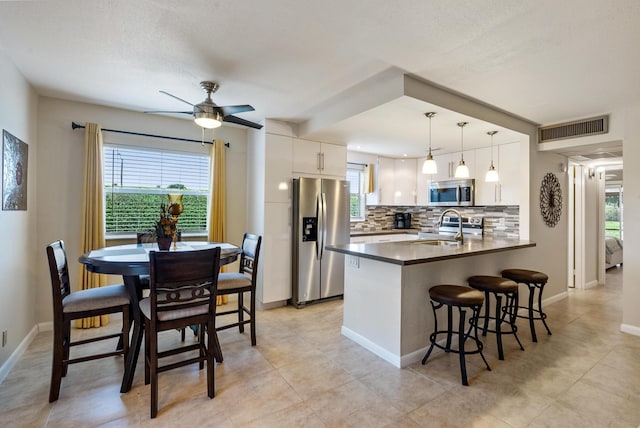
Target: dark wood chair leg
{"points": [[153, 363], [147, 355], [201, 349], [252, 322], [66, 345], [210, 351], [56, 365], [241, 311]]}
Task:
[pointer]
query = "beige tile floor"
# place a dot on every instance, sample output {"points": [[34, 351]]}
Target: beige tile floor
{"points": [[303, 373]]}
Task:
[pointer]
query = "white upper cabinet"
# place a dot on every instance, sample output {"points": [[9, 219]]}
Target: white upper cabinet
{"points": [[386, 176], [506, 159], [486, 193], [422, 184], [396, 181], [510, 169], [315, 158], [404, 182], [278, 159], [445, 167]]}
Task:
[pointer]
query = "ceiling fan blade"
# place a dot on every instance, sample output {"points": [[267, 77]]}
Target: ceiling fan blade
{"points": [[227, 110], [162, 111], [238, 121], [177, 98]]}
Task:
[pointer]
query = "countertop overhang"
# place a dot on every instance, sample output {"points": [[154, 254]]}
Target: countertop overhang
{"points": [[416, 252]]}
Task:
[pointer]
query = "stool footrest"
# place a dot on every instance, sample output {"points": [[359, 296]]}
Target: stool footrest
{"points": [[433, 338]]}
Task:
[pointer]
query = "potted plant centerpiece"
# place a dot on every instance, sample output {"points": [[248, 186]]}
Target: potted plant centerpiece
{"points": [[165, 228]]}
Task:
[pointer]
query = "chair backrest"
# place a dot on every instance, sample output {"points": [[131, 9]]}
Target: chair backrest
{"points": [[59, 271], [149, 237], [250, 254], [183, 280]]}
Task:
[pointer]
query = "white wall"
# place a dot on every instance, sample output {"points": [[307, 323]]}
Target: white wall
{"points": [[18, 254], [59, 178]]}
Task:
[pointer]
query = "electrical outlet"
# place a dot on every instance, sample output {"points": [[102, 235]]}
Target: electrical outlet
{"points": [[4, 338], [353, 261]]}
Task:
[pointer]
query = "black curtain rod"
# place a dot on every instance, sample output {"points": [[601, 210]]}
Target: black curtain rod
{"points": [[357, 163], [76, 126]]}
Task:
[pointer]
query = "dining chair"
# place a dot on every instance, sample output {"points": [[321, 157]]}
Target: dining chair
{"points": [[69, 306], [182, 293], [146, 238], [241, 282]]}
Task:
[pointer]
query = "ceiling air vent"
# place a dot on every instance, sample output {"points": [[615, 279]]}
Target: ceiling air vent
{"points": [[578, 128]]}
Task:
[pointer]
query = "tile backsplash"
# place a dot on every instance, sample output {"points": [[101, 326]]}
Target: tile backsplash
{"points": [[499, 221]]}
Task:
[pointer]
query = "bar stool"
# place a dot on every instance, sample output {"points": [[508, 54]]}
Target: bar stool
{"points": [[462, 298], [534, 281], [505, 316]]}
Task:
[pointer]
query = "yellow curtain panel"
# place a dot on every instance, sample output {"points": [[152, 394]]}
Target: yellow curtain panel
{"points": [[370, 186], [218, 208], [92, 233]]}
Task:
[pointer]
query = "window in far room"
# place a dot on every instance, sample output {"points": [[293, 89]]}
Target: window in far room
{"points": [[137, 181], [613, 211], [355, 176]]}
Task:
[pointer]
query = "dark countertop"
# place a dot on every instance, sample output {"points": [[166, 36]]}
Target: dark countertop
{"points": [[416, 252], [384, 232]]}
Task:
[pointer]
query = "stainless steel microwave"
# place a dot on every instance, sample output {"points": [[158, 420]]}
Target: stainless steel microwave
{"points": [[459, 193]]}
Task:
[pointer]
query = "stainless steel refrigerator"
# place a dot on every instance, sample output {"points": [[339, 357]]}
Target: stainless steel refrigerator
{"points": [[320, 218]]}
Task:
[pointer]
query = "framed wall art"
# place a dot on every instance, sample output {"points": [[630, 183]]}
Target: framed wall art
{"points": [[15, 158]]}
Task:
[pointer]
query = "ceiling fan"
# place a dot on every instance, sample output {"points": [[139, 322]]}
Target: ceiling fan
{"points": [[208, 114]]}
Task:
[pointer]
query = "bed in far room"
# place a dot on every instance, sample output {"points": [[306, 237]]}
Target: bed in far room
{"points": [[613, 251]]}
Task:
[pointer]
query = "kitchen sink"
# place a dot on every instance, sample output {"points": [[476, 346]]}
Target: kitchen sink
{"points": [[436, 242]]}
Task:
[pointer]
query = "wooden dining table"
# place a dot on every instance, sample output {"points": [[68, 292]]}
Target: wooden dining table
{"points": [[131, 261]]}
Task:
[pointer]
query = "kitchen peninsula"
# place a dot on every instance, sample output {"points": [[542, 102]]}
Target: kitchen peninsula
{"points": [[386, 303]]}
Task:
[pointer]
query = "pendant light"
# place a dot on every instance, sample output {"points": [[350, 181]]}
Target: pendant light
{"points": [[492, 175], [429, 166], [462, 171]]}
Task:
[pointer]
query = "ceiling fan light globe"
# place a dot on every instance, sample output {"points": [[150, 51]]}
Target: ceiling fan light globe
{"points": [[462, 170], [492, 175], [429, 166], [208, 120]]}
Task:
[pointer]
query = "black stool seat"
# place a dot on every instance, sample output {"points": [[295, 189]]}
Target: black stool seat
{"points": [[525, 276], [463, 298], [456, 295], [494, 284], [505, 315], [534, 280]]}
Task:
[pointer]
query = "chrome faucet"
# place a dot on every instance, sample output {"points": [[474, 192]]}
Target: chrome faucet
{"points": [[458, 237]]}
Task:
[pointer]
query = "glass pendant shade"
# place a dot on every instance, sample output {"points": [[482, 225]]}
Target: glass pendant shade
{"points": [[429, 166], [492, 175], [462, 170]]}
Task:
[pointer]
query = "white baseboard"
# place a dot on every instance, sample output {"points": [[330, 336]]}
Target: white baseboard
{"points": [[591, 284], [630, 329], [396, 360], [11, 362], [556, 298], [45, 326]]}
